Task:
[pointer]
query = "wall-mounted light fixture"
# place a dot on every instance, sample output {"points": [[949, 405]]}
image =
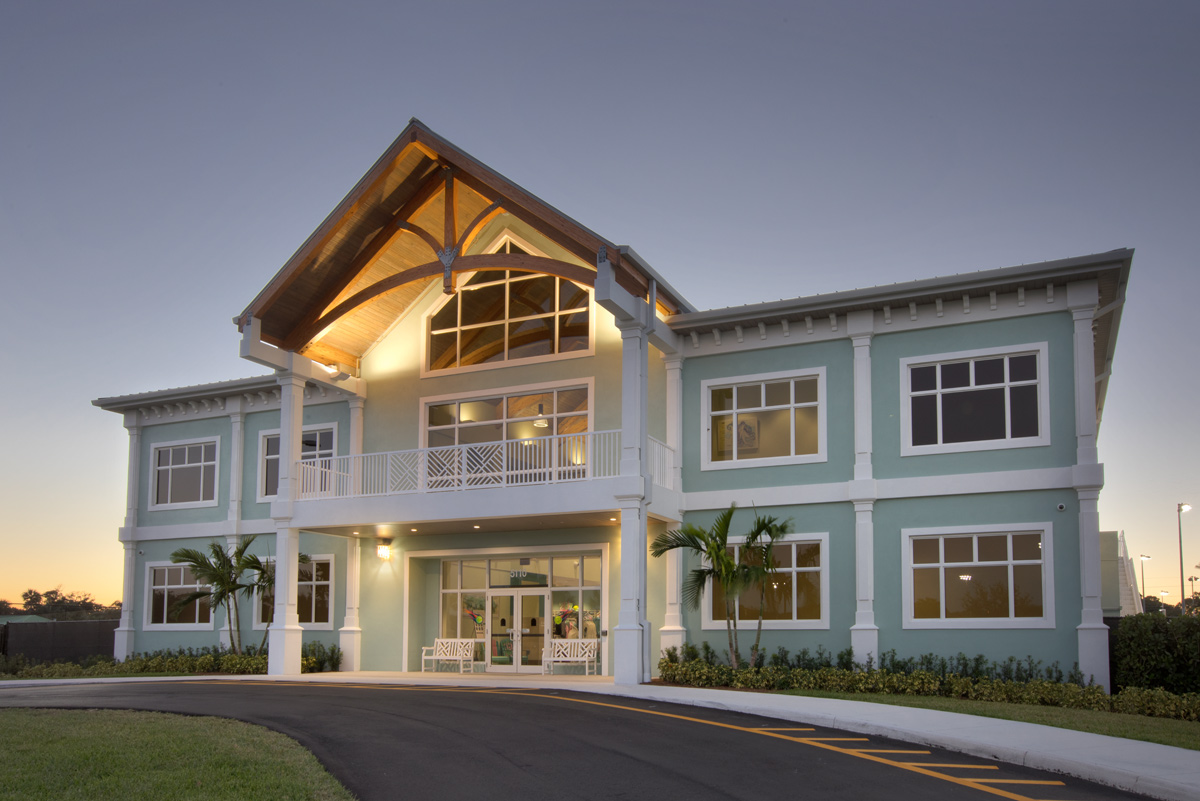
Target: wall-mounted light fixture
{"points": [[384, 549]]}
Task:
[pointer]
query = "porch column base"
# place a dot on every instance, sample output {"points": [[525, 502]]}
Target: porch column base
{"points": [[1093, 653], [350, 642], [672, 637], [627, 654], [123, 643], [864, 639], [283, 656]]}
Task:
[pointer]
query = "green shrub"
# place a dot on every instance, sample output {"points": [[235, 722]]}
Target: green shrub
{"points": [[1150, 650]]}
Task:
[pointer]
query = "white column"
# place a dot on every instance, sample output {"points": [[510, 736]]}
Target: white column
{"points": [[864, 634], [237, 450], [350, 634], [124, 636], [285, 635], [1082, 299], [356, 425], [672, 633], [632, 632]]}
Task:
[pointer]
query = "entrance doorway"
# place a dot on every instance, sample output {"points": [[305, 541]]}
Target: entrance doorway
{"points": [[517, 630]]}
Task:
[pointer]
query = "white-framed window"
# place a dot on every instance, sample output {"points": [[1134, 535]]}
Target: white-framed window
{"points": [[766, 419], [508, 414], [167, 584], [975, 577], [317, 441], [500, 316], [184, 474], [796, 594], [314, 595], [975, 400]]}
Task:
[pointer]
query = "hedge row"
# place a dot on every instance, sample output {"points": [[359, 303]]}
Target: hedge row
{"points": [[315, 658], [1150, 650], [1133, 701]]}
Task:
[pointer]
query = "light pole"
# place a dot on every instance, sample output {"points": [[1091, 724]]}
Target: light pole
{"points": [[1179, 510], [1163, 594], [1143, 557], [1191, 587]]}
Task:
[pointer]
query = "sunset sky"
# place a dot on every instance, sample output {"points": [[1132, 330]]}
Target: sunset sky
{"points": [[160, 161]]}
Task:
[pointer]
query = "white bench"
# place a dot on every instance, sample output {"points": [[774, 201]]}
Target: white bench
{"points": [[572, 651], [449, 650]]}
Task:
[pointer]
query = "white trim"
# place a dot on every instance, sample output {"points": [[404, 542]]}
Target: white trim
{"points": [[465, 553], [1046, 621], [819, 537], [259, 625], [152, 504], [425, 402], [275, 432], [706, 462], [1043, 384], [148, 603]]}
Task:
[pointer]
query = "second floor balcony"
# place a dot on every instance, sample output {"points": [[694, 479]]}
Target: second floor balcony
{"points": [[510, 463]]}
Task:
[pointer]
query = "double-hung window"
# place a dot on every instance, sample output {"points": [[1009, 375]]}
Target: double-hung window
{"points": [[167, 586], [184, 474], [769, 419], [795, 595], [316, 443], [975, 400], [978, 577]]}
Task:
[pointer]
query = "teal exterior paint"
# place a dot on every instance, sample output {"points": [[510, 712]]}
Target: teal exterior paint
{"points": [[252, 459], [1058, 644], [835, 518], [1056, 329], [152, 436], [837, 357], [392, 413]]}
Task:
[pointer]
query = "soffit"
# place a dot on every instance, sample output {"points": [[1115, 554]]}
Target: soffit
{"points": [[377, 252]]}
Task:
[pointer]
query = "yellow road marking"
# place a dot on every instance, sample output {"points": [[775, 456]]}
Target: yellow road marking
{"points": [[884, 751], [815, 742], [765, 728], [951, 765]]}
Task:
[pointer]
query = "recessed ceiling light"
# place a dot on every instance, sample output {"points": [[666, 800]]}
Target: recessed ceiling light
{"points": [[476, 527], [613, 519], [412, 529]]}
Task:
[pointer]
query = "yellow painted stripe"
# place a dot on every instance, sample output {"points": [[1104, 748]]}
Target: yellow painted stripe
{"points": [[815, 742], [765, 728], [884, 751], [950, 765], [1020, 781]]}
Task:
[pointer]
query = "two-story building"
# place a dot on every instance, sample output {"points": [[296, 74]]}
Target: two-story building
{"points": [[480, 412]]}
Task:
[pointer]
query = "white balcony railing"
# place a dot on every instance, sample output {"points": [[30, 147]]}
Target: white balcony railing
{"points": [[512, 463], [662, 464]]}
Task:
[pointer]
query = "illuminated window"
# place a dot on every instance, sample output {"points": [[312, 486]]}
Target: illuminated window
{"points": [[523, 415], [185, 474], [499, 316], [978, 577], [794, 596], [770, 419], [976, 400]]}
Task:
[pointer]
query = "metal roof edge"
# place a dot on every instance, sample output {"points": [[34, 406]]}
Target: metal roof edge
{"points": [[121, 403]]}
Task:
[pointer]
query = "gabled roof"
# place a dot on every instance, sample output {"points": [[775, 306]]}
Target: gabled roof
{"points": [[391, 238]]}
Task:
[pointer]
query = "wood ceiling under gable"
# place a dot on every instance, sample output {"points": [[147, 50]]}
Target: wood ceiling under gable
{"points": [[378, 252]]}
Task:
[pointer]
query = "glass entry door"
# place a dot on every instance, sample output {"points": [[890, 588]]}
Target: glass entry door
{"points": [[517, 630]]}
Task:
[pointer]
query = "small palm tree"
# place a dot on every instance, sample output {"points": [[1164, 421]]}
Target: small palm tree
{"points": [[221, 572], [759, 552], [717, 563], [263, 587]]}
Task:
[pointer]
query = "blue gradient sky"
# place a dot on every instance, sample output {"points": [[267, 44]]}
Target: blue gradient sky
{"points": [[160, 161]]}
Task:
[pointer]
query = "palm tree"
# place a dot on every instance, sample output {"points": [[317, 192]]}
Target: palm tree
{"points": [[717, 563], [759, 552], [263, 586], [221, 572]]}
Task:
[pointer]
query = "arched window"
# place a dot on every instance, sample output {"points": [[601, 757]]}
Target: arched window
{"points": [[504, 315]]}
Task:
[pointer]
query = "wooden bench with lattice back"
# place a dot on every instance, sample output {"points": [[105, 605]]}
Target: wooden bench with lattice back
{"points": [[570, 651], [449, 650]]}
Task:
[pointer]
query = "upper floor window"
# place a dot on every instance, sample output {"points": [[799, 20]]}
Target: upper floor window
{"points": [[185, 474], [316, 442], [503, 315], [769, 419], [975, 400], [523, 415]]}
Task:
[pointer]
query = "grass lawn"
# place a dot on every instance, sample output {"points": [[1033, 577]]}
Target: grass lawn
{"points": [[1180, 733], [100, 754]]}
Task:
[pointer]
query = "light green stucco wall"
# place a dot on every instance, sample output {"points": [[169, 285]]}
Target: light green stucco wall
{"points": [[152, 436]]}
